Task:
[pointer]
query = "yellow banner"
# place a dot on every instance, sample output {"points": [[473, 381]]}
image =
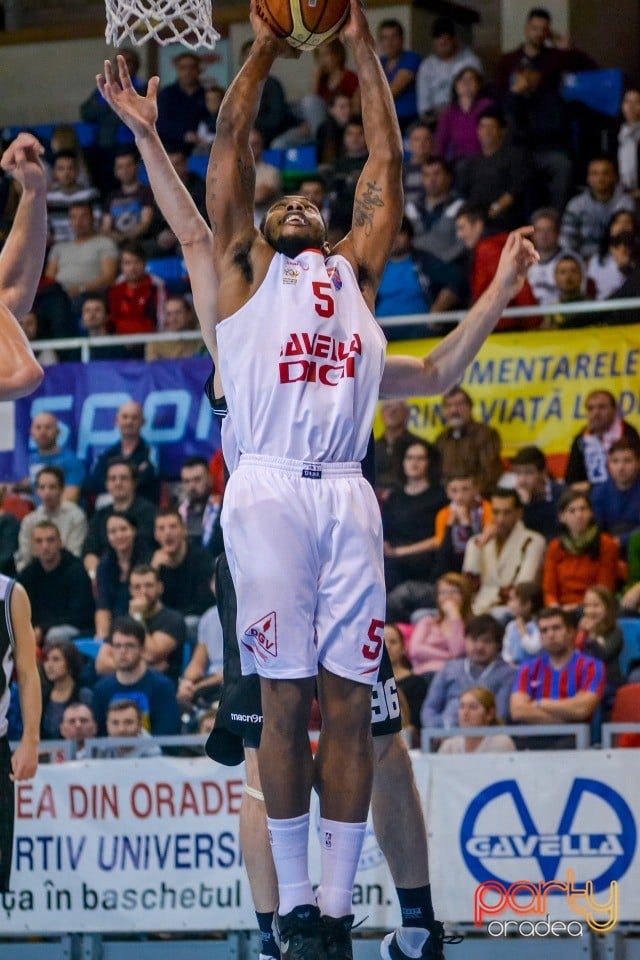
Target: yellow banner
{"points": [[532, 386]]}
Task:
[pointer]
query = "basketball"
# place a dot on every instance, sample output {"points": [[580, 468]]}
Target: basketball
{"points": [[304, 23]]}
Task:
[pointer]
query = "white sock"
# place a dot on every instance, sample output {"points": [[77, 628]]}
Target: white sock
{"points": [[340, 849], [411, 940], [290, 850]]}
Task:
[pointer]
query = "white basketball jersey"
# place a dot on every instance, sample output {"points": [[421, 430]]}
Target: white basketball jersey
{"points": [[301, 363]]}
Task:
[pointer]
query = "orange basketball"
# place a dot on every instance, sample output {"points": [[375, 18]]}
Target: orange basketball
{"points": [[304, 23]]}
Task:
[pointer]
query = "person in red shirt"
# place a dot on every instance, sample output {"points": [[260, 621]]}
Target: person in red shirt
{"points": [[136, 302]]}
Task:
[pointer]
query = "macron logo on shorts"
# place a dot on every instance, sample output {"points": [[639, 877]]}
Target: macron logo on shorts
{"points": [[263, 635]]}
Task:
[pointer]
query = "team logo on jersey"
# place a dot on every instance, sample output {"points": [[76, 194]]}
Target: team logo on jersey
{"points": [[291, 274], [334, 275], [264, 635]]}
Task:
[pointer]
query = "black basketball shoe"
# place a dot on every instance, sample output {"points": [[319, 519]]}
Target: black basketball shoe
{"points": [[337, 937], [301, 934]]}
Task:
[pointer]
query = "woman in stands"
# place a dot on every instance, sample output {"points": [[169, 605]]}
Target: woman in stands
{"points": [[608, 269], [411, 687], [457, 133], [62, 667], [123, 554], [600, 636], [580, 556], [478, 709], [437, 639]]}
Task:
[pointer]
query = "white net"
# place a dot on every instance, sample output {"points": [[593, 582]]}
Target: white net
{"points": [[166, 21]]}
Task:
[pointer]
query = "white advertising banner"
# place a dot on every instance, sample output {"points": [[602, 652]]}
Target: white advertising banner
{"points": [[563, 823]]}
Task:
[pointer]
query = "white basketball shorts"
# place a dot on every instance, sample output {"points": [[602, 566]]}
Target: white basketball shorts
{"points": [[304, 543]]}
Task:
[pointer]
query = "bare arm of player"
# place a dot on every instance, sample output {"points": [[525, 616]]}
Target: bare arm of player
{"points": [[176, 204], [24, 762], [378, 204], [406, 376]]}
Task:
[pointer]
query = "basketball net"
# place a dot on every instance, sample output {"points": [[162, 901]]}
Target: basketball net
{"points": [[166, 21]]}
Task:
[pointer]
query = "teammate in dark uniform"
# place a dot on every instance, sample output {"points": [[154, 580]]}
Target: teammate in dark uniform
{"points": [[17, 647]]}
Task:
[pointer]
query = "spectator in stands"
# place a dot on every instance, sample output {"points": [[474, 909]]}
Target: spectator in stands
{"points": [[165, 628], [466, 516], [32, 326], [332, 75], [179, 316], [124, 553], [529, 84], [70, 520], [181, 105], [587, 464], [522, 635], [95, 320], [137, 301], [63, 193], [546, 239], [274, 114], [483, 256], [419, 142], [58, 588], [206, 132], [199, 507], [391, 447], [408, 522], [78, 724], [616, 502], [9, 528], [184, 569], [268, 179], [630, 602], [599, 636], [201, 681], [580, 556], [466, 445], [478, 709], [629, 143], [415, 282], [457, 133], [45, 433], [129, 210], [65, 137], [585, 217], [539, 493], [330, 133], [163, 241], [570, 280], [134, 449], [513, 555], [62, 668], [346, 173], [433, 214], [122, 487], [410, 685], [314, 188], [609, 268], [88, 263], [439, 638], [400, 67], [134, 680], [561, 685], [124, 719], [436, 73], [495, 179], [482, 665]]}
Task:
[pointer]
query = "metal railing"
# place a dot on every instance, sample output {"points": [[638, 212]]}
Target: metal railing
{"points": [[611, 730], [580, 732]]}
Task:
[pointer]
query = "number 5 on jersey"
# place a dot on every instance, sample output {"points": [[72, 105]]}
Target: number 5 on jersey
{"points": [[325, 307]]}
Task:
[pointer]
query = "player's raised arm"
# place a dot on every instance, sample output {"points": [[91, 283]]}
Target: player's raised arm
{"points": [[378, 204], [406, 376], [231, 177]]}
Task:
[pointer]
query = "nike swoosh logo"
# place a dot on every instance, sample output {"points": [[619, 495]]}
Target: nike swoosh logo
{"points": [[284, 947]]}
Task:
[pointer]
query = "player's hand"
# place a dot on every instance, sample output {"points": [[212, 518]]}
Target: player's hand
{"points": [[518, 254], [22, 161], [357, 26], [24, 761], [264, 35], [138, 113]]}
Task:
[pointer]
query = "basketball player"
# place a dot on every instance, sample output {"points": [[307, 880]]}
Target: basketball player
{"points": [[17, 647], [21, 263], [404, 842]]}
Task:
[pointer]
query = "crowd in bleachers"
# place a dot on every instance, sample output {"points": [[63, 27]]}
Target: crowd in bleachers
{"points": [[504, 584]]}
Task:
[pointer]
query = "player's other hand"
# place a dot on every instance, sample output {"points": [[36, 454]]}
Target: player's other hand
{"points": [[357, 26], [265, 36], [518, 254], [139, 113], [22, 161], [24, 762]]}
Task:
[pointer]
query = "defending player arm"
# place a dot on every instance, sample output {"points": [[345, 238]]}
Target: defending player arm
{"points": [[406, 376], [25, 760], [378, 204]]}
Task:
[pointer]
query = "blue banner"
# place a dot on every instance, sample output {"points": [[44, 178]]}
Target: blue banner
{"points": [[85, 398]]}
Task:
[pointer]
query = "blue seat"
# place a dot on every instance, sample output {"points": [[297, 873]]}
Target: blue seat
{"points": [[199, 164], [167, 268], [89, 646], [599, 89], [86, 133], [631, 650], [274, 157], [301, 159]]}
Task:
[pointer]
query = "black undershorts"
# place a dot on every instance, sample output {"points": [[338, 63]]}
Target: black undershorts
{"points": [[7, 810]]}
